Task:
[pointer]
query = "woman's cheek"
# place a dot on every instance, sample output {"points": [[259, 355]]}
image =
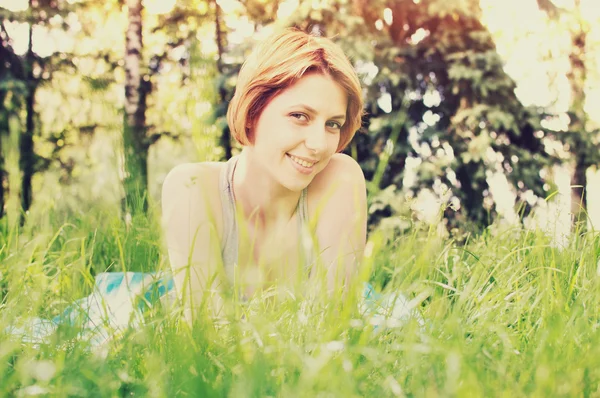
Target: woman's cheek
{"points": [[334, 144]]}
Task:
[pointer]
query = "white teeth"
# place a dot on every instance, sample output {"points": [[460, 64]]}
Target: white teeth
{"points": [[301, 162]]}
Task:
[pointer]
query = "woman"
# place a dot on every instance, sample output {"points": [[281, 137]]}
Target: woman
{"points": [[290, 202], [288, 206]]}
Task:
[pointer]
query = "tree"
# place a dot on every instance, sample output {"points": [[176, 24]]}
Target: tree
{"points": [[225, 140], [181, 26], [27, 160], [135, 144], [581, 139], [22, 76], [11, 88]]}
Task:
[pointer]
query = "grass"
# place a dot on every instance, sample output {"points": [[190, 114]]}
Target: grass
{"points": [[505, 315]]}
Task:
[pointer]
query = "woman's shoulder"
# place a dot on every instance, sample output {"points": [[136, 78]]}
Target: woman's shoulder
{"points": [[341, 169], [196, 187], [193, 177], [341, 178], [189, 172]]}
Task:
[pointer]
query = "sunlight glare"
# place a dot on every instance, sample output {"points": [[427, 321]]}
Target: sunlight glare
{"points": [[388, 16], [156, 7], [432, 98], [45, 42], [229, 6], [535, 55], [385, 102], [208, 46], [590, 9], [14, 5], [427, 206], [504, 196], [242, 28], [431, 118], [287, 8], [367, 70], [18, 32], [593, 176], [419, 35]]}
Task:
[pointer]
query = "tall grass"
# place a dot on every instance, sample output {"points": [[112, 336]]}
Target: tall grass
{"points": [[505, 315]]}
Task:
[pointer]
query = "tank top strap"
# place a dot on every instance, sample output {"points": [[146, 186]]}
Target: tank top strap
{"points": [[302, 208], [229, 239]]}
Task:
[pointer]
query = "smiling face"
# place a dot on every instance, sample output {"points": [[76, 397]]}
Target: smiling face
{"points": [[299, 130]]}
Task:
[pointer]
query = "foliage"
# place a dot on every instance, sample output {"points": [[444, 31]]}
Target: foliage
{"points": [[442, 115], [580, 138], [437, 93], [21, 78]]}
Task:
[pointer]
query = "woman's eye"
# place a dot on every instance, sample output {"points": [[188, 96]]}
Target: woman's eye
{"points": [[299, 116], [335, 125]]}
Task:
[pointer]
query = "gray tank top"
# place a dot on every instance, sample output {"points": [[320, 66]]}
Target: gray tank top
{"points": [[229, 241]]}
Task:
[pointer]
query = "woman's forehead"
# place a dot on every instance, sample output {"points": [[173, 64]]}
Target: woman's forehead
{"points": [[316, 93]]}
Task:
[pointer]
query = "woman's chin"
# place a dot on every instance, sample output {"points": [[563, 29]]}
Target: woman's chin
{"points": [[297, 185]]}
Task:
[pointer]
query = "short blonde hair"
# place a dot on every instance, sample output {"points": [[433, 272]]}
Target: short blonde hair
{"points": [[280, 61]]}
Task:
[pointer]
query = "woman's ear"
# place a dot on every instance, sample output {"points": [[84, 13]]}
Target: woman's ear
{"points": [[250, 132]]}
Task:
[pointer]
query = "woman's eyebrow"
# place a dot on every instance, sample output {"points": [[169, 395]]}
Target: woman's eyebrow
{"points": [[313, 110]]}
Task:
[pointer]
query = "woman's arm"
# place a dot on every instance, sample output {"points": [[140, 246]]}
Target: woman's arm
{"points": [[341, 214], [189, 224]]}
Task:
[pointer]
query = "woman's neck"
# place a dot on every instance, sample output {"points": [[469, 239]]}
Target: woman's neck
{"points": [[262, 198]]}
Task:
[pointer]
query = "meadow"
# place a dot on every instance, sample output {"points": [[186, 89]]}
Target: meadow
{"points": [[461, 96], [504, 314]]}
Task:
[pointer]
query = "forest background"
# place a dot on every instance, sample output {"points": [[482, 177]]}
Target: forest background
{"points": [[476, 111]]}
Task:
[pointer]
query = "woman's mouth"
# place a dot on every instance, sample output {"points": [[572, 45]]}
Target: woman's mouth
{"points": [[302, 166]]}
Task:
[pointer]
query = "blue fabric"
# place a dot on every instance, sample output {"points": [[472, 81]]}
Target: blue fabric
{"points": [[387, 310], [119, 300]]}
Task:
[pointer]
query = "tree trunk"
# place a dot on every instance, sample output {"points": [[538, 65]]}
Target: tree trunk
{"points": [[579, 193], [577, 78], [27, 156], [225, 139], [135, 145], [3, 132]]}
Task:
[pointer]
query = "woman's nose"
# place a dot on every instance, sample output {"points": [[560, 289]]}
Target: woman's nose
{"points": [[316, 141]]}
